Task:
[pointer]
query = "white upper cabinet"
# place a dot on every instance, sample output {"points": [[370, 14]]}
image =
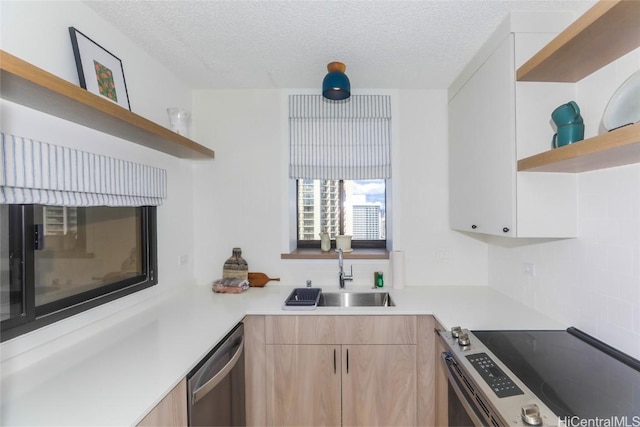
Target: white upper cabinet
{"points": [[482, 167], [494, 121]]}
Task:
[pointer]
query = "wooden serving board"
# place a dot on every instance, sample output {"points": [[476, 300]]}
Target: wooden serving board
{"points": [[258, 280]]}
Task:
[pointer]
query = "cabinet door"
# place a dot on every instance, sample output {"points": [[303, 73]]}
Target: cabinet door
{"points": [[463, 158], [379, 385], [303, 385], [171, 411], [497, 139], [482, 142]]}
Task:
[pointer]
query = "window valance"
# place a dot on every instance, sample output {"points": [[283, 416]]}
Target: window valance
{"points": [[42, 173], [348, 139]]}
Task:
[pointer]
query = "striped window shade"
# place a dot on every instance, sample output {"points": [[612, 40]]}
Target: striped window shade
{"points": [[335, 140], [41, 173]]}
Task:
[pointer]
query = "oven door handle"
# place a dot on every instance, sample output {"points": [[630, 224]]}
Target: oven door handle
{"points": [[457, 388]]}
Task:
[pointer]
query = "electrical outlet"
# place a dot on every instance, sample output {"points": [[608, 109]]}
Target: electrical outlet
{"points": [[529, 269], [442, 255]]}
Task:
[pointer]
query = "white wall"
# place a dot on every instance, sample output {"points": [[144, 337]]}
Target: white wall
{"points": [[592, 282], [37, 32], [243, 197], [434, 254]]}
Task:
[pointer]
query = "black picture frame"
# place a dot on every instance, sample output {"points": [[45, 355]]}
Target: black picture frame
{"points": [[99, 71]]}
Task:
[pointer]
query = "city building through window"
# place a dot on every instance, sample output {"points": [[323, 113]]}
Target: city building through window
{"points": [[349, 207]]}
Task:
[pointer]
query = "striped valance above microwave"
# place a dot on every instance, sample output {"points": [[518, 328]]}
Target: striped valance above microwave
{"points": [[35, 172], [349, 139]]}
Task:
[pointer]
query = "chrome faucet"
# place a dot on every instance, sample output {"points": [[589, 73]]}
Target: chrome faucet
{"points": [[343, 277]]}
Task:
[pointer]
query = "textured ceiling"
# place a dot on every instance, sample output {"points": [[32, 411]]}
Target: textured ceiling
{"points": [[419, 44]]}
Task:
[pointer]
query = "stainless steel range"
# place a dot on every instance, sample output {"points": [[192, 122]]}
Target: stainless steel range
{"points": [[539, 378]]}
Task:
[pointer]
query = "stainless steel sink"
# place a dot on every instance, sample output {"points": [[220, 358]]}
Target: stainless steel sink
{"points": [[355, 299]]}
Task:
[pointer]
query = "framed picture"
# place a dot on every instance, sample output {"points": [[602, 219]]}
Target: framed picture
{"points": [[99, 71]]}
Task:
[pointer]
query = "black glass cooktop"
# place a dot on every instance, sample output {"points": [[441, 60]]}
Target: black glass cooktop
{"points": [[570, 375]]}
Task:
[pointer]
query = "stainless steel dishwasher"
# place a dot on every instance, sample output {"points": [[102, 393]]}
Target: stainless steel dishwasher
{"points": [[216, 386]]}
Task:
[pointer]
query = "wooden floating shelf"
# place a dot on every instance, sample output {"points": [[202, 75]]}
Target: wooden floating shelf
{"points": [[616, 148], [603, 34], [33, 87], [607, 31]]}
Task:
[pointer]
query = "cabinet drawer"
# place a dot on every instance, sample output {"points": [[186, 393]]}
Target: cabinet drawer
{"points": [[340, 329]]}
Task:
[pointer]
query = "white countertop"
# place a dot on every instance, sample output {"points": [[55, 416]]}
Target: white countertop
{"points": [[117, 375]]}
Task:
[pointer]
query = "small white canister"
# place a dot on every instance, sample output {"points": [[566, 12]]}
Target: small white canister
{"points": [[344, 243]]}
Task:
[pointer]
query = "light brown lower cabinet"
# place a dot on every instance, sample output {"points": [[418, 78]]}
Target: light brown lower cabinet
{"points": [[304, 385], [171, 411], [379, 385], [355, 385], [339, 370]]}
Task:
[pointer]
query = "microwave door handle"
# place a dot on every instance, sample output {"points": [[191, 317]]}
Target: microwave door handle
{"points": [[453, 381], [219, 376]]}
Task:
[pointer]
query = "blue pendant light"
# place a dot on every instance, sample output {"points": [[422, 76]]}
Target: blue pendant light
{"points": [[336, 85]]}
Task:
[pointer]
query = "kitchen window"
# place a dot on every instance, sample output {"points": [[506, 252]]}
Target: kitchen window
{"points": [[348, 207], [77, 230], [58, 261], [340, 161]]}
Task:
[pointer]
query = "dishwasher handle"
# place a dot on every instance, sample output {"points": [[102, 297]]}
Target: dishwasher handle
{"points": [[219, 376]]}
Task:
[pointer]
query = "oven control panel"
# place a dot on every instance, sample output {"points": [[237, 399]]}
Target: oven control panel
{"points": [[510, 404], [499, 382]]}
